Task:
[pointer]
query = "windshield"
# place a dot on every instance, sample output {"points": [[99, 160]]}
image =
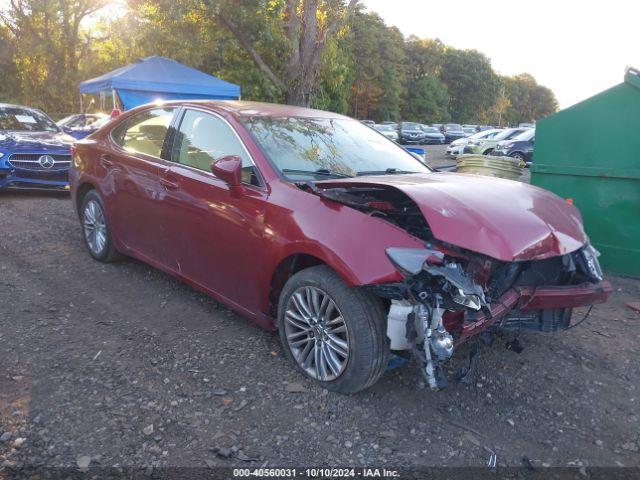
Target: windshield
{"points": [[453, 127], [82, 121], [430, 130], [410, 126], [507, 134], [303, 148], [525, 136], [486, 134], [24, 120], [384, 128]]}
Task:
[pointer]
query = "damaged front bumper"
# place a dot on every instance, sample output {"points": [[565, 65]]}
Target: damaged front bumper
{"points": [[444, 301], [533, 299]]}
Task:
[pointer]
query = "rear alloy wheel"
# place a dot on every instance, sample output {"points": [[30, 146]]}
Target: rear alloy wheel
{"points": [[95, 228], [334, 334]]}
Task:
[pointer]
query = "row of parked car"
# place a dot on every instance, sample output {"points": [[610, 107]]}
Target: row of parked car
{"points": [[408, 133], [508, 142], [464, 139]]}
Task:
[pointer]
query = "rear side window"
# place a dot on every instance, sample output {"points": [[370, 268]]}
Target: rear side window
{"points": [[144, 132], [203, 139]]}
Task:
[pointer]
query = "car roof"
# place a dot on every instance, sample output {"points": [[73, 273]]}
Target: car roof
{"points": [[241, 108], [11, 105]]}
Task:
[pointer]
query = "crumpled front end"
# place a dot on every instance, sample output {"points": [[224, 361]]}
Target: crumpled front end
{"points": [[447, 299], [525, 270]]}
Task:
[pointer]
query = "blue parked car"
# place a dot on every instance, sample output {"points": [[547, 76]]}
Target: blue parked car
{"points": [[81, 125], [34, 152]]}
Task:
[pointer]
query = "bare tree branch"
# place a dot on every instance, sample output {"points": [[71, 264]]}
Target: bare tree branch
{"points": [[255, 56]]}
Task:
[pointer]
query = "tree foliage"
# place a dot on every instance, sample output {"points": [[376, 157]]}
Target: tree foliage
{"points": [[329, 54], [48, 43], [528, 101], [377, 60], [472, 83]]}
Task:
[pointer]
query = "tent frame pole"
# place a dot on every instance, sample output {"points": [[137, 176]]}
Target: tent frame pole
{"points": [[81, 104], [113, 97]]}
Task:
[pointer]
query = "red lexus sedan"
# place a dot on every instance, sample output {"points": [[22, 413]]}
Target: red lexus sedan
{"points": [[313, 224]]}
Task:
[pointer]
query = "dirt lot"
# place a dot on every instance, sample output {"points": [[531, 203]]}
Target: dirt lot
{"points": [[120, 365]]}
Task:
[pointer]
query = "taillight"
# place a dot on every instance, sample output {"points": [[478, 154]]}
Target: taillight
{"points": [[74, 149]]}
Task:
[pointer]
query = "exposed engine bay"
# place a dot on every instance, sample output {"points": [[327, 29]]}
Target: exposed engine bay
{"points": [[450, 294]]}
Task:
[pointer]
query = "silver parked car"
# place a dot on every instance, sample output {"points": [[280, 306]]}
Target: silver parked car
{"points": [[456, 147], [388, 130]]}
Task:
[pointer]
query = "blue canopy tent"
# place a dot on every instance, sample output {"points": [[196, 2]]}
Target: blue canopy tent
{"points": [[158, 78]]}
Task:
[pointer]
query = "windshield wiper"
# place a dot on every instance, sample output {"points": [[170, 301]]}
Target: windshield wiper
{"points": [[323, 172], [388, 171]]}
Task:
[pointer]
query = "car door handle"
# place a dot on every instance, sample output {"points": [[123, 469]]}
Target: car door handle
{"points": [[169, 182], [106, 161]]}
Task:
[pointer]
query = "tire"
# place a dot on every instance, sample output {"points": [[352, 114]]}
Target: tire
{"points": [[518, 156], [363, 330], [488, 151], [95, 229]]}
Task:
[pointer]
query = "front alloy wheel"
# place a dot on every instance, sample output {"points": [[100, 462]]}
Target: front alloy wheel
{"points": [[316, 333], [334, 334]]}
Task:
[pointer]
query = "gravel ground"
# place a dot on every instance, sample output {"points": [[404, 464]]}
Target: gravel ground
{"points": [[121, 365]]}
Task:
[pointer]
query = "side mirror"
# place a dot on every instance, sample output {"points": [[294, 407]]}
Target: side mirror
{"points": [[229, 169]]}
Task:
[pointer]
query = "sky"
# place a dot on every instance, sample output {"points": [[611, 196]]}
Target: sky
{"points": [[576, 48]]}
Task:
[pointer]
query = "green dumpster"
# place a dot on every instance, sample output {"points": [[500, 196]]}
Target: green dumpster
{"points": [[590, 153]]}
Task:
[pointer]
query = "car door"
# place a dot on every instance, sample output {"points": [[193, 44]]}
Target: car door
{"points": [[212, 233], [132, 167]]}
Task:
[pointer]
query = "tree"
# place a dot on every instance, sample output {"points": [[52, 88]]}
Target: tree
{"points": [[9, 86], [427, 101], [529, 101], [423, 57], [48, 42], [377, 58], [330, 54], [499, 110], [307, 27], [472, 83], [426, 97]]}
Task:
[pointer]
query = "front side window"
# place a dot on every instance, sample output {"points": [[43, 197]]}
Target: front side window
{"points": [[145, 132], [203, 139]]}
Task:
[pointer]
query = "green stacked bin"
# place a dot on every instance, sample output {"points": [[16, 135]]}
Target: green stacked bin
{"points": [[590, 153]]}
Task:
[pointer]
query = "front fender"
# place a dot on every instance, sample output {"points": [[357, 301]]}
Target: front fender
{"points": [[351, 242]]}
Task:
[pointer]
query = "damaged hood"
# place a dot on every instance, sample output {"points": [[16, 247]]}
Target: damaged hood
{"points": [[502, 219]]}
